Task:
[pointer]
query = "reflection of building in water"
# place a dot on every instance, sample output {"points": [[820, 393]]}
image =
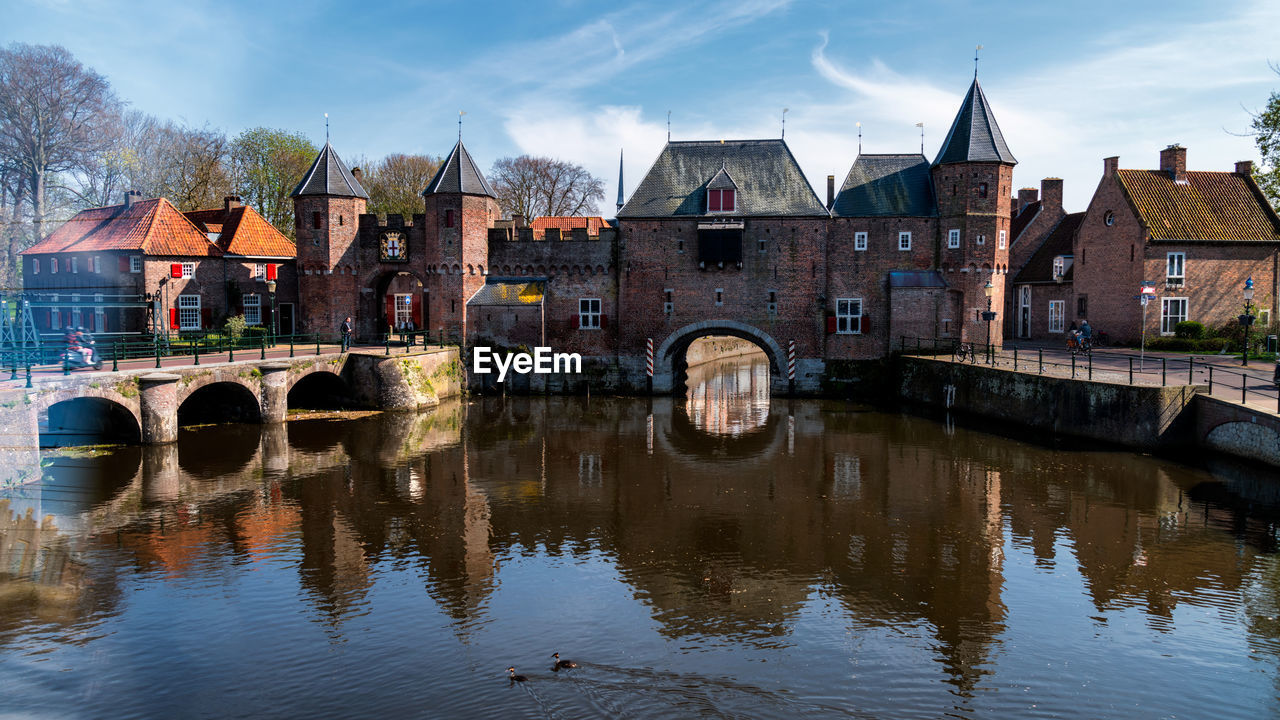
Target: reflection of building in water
{"points": [[38, 566], [728, 396]]}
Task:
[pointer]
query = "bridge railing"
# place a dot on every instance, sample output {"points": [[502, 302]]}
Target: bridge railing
{"points": [[1107, 365]]}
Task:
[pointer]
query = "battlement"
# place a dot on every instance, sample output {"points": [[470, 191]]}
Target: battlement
{"points": [[505, 231], [392, 220]]}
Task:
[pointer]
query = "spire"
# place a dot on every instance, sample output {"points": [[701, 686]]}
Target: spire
{"points": [[459, 174], [620, 203], [329, 176], [974, 135]]}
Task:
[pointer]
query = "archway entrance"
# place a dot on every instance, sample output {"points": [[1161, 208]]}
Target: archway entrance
{"points": [[401, 303], [88, 421], [726, 385], [671, 362]]}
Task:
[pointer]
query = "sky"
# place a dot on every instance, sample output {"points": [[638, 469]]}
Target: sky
{"points": [[1069, 83]]}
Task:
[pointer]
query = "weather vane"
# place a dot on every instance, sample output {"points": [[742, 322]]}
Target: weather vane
{"points": [[975, 62], [784, 122], [460, 114]]}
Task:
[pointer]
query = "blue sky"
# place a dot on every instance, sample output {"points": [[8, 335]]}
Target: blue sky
{"points": [[1070, 83]]}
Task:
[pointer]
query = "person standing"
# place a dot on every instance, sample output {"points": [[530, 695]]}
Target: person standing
{"points": [[346, 329]]}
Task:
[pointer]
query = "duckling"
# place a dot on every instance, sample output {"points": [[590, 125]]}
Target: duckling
{"points": [[511, 671], [563, 664]]}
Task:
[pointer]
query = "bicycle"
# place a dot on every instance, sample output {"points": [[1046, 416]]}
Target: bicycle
{"points": [[1077, 344], [964, 351]]}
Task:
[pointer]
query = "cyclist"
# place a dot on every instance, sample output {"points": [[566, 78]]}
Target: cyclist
{"points": [[1086, 336]]}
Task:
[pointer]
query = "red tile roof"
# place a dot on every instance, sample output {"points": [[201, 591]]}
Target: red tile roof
{"points": [[154, 227], [566, 223], [244, 232], [1220, 206]]}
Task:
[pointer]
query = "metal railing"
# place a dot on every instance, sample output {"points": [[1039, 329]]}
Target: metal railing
{"points": [[1105, 365]]}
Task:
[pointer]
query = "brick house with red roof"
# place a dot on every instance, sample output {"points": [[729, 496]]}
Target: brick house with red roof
{"points": [[196, 268]]}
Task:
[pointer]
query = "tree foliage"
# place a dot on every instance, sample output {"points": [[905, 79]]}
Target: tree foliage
{"points": [[266, 165], [1266, 133], [539, 186], [396, 182]]}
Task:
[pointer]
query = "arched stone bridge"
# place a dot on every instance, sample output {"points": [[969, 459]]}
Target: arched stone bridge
{"points": [[147, 406]]}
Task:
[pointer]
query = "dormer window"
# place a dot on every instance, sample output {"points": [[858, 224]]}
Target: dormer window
{"points": [[721, 200]]}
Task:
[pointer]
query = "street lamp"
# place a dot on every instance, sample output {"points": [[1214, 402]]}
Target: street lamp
{"points": [[1247, 318], [989, 290], [275, 326]]}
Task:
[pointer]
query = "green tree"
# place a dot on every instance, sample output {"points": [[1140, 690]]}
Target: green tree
{"points": [[1266, 133], [266, 164], [396, 182]]}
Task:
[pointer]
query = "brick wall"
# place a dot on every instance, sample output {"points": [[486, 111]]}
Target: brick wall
{"points": [[1109, 263]]}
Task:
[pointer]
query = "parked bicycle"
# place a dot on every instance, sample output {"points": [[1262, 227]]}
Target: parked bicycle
{"points": [[964, 351]]}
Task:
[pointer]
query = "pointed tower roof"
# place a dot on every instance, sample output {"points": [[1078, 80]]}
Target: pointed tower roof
{"points": [[329, 176], [974, 136], [621, 201], [459, 174]]}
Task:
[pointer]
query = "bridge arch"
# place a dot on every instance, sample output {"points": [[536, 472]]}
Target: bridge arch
{"points": [[220, 401], [319, 389], [87, 420], [670, 366]]}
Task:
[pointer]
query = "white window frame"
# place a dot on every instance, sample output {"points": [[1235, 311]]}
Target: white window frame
{"points": [[589, 312], [1004, 239], [135, 263], [719, 297], [259, 271], [77, 318], [953, 238], [860, 241], [1178, 259], [75, 265], [99, 313], [904, 240], [1169, 321], [848, 316], [1057, 315], [980, 240], [189, 312], [35, 266], [1059, 266], [53, 266], [188, 270], [252, 304], [97, 264]]}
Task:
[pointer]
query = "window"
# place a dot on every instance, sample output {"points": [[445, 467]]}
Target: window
{"points": [[1004, 235], [75, 265], [1082, 306], [953, 238], [1175, 268], [1059, 266], [721, 200], [135, 263], [1172, 312], [252, 308], [668, 305], [35, 266], [849, 316], [316, 220], [772, 307], [981, 240], [76, 319], [904, 241], [982, 190], [99, 315], [680, 246], [1109, 218], [259, 271], [188, 269], [719, 296], [1057, 310], [53, 266], [188, 312], [448, 218], [859, 241], [589, 313]]}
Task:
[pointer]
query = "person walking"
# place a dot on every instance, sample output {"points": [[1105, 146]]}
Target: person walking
{"points": [[346, 329]]}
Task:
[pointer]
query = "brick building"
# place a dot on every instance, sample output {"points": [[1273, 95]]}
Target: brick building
{"points": [[191, 270]]}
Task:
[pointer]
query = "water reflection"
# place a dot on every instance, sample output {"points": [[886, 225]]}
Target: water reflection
{"points": [[832, 561], [729, 396]]}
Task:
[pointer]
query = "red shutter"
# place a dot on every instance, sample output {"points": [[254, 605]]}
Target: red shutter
{"points": [[48, 318], [415, 311], [604, 321], [173, 318], [831, 324], [271, 271], [123, 263], [573, 321], [727, 205], [713, 201], [175, 270], [206, 318], [391, 310], [865, 326]]}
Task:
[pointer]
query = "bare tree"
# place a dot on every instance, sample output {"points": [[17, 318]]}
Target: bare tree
{"points": [[395, 183], [53, 118], [539, 186]]}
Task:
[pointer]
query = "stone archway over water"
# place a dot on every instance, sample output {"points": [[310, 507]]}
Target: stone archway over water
{"points": [[670, 365]]}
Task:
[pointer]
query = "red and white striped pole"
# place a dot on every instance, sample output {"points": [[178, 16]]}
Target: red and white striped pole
{"points": [[791, 360], [648, 357]]}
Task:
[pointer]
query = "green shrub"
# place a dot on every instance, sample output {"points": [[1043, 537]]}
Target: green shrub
{"points": [[1172, 344], [1189, 329], [235, 326], [1212, 344]]}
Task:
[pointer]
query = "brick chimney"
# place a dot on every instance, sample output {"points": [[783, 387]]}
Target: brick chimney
{"points": [[1110, 165], [1244, 167], [1026, 196], [518, 220], [1051, 193], [131, 197], [231, 201], [1173, 160], [831, 191]]}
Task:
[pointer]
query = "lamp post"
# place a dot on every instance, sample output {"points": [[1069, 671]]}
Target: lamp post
{"points": [[1247, 318], [989, 290], [275, 327]]}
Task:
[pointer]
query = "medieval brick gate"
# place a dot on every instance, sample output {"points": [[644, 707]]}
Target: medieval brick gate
{"points": [[670, 365]]}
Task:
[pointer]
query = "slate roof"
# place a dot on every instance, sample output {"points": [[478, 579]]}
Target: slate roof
{"points": [[892, 185], [974, 135], [769, 181], [508, 291], [329, 176], [459, 174], [242, 231], [1023, 219], [153, 227], [916, 279], [1214, 206], [593, 224], [721, 179], [1039, 268]]}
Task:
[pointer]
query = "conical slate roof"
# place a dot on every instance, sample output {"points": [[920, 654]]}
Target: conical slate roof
{"points": [[974, 136], [459, 174], [329, 176]]}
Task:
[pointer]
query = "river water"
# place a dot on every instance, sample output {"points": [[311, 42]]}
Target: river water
{"points": [[715, 556]]}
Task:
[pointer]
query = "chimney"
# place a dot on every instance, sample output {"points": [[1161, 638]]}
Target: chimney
{"points": [[1173, 160], [1110, 165], [231, 201], [831, 191], [1244, 167], [131, 197], [1026, 196], [518, 219], [1051, 193], [356, 173]]}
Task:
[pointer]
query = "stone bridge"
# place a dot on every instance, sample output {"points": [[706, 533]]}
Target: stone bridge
{"points": [[148, 406]]}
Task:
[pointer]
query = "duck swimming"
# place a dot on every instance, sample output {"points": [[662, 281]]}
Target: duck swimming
{"points": [[563, 664], [511, 671]]}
